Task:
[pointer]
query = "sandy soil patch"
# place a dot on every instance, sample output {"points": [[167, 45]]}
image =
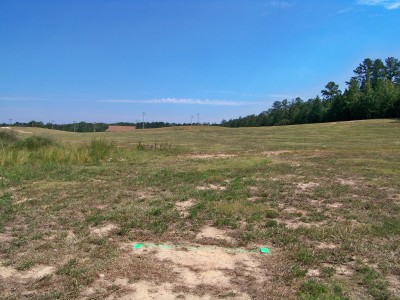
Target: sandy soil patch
{"points": [[295, 211], [325, 246], [210, 266], [349, 182], [208, 232], [184, 206], [253, 199], [294, 224], [344, 270], [71, 237], [211, 187], [394, 285], [102, 230], [36, 272], [211, 156], [142, 289], [254, 189], [341, 270], [144, 195], [273, 153], [199, 272], [313, 273], [307, 186], [5, 237], [335, 205], [22, 200]]}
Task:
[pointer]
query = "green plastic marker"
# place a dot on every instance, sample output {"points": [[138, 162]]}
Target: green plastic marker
{"points": [[264, 250], [138, 246]]}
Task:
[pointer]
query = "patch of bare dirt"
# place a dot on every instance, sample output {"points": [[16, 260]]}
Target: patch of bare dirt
{"points": [[71, 237], [211, 156], [335, 205], [294, 224], [209, 266], [36, 272], [324, 246], [184, 206], [253, 199], [22, 200], [394, 285], [102, 230], [5, 237], [208, 232], [144, 195], [142, 289], [344, 270], [313, 273], [254, 189], [341, 270], [211, 187], [307, 186], [273, 153], [192, 271], [349, 182], [295, 211]]}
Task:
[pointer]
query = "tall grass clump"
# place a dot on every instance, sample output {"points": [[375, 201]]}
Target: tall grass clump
{"points": [[43, 151], [7, 138], [100, 149], [166, 148], [34, 143]]}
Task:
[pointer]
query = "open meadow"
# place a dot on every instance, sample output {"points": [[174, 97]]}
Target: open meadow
{"points": [[182, 212]]}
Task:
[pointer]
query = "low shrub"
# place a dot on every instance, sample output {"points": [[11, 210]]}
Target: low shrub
{"points": [[34, 143]]}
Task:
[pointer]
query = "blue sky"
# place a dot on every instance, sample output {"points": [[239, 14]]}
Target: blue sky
{"points": [[109, 61]]}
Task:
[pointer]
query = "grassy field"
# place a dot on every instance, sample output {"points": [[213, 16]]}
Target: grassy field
{"points": [[324, 198]]}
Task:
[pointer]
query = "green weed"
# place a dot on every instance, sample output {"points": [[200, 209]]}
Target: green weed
{"points": [[315, 290], [7, 210]]}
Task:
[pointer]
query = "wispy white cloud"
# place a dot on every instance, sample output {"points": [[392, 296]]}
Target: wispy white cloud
{"points": [[189, 101], [181, 101], [388, 4], [279, 4], [345, 10]]}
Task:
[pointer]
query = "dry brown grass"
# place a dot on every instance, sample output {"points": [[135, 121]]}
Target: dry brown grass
{"points": [[324, 198]]}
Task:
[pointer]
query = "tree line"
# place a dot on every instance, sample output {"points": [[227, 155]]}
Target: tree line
{"points": [[373, 92], [94, 127]]}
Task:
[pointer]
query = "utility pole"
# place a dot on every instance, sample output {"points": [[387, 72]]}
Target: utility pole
{"points": [[74, 126], [198, 119], [143, 114], [191, 120], [52, 124], [10, 121], [94, 127]]}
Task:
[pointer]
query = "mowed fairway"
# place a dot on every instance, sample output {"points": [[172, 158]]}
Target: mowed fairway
{"points": [[198, 203]]}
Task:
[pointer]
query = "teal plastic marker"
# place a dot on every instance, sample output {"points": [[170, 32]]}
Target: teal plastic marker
{"points": [[262, 250]]}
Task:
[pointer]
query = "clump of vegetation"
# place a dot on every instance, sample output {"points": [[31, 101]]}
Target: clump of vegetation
{"points": [[100, 149], [26, 152], [374, 282], [7, 138], [34, 143], [161, 147], [313, 290], [7, 210]]}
